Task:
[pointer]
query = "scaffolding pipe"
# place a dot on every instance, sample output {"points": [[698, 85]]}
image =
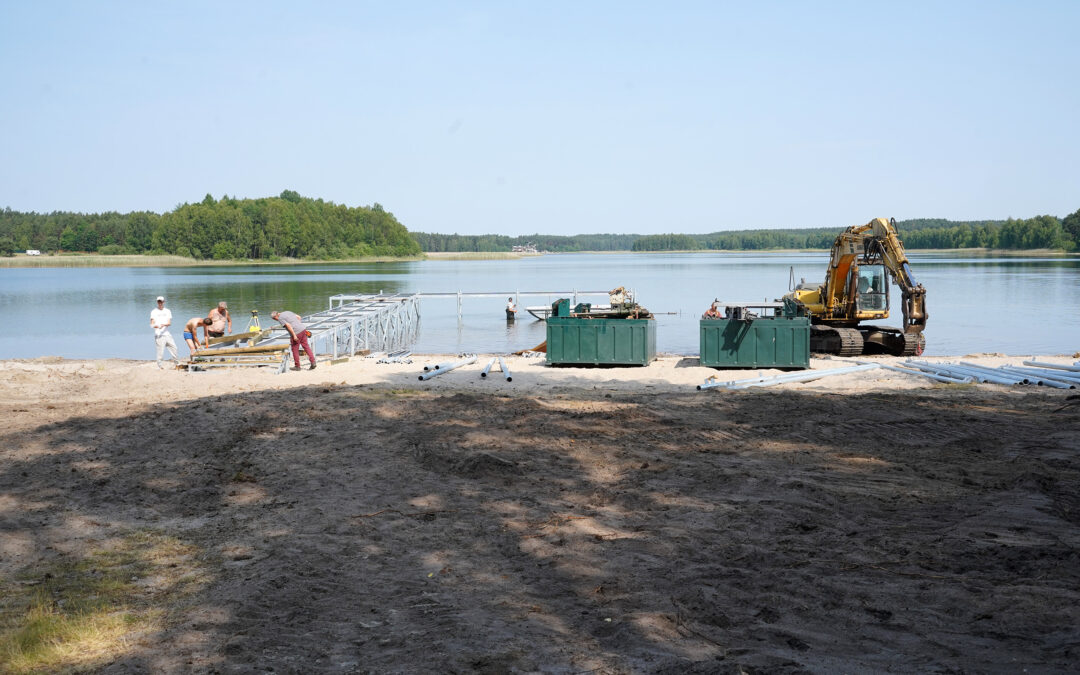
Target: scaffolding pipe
{"points": [[440, 366], [505, 370], [950, 370], [1044, 380], [980, 374], [484, 372], [1054, 366], [990, 375], [806, 376], [967, 379], [1063, 375], [1016, 378], [447, 368]]}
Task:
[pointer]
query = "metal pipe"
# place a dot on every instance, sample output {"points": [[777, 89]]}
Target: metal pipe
{"points": [[995, 373], [1055, 366], [806, 376], [1051, 373], [506, 371], [967, 379], [980, 374], [983, 375], [447, 368], [440, 366], [988, 374], [1030, 374], [1047, 381], [484, 372]]}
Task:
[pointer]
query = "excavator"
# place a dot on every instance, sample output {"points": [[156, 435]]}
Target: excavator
{"points": [[855, 290]]}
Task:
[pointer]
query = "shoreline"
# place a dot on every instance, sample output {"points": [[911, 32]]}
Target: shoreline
{"points": [[23, 261], [97, 380]]}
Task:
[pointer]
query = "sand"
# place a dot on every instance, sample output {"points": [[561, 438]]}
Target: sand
{"points": [[354, 519]]}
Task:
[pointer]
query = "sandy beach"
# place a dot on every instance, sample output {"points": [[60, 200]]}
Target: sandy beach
{"points": [[603, 520]]}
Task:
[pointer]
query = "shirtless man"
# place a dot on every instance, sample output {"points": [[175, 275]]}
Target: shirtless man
{"points": [[190, 329], [713, 312], [220, 319]]}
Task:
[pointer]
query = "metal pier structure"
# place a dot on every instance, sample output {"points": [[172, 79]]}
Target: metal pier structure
{"points": [[356, 322]]}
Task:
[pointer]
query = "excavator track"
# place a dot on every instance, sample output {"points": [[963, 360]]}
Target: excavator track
{"points": [[914, 344], [836, 341]]}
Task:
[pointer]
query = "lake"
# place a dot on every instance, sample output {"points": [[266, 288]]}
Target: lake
{"points": [[1014, 305]]}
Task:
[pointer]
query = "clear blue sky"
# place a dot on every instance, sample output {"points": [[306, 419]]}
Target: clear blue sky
{"points": [[553, 117]]}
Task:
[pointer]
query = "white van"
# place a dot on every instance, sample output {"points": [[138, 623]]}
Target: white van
{"points": [[32, 251]]}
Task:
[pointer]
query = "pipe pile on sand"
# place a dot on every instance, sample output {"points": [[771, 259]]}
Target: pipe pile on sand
{"points": [[805, 376], [502, 367], [446, 367]]}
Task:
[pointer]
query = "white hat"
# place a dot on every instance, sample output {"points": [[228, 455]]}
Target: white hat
{"points": [[161, 298]]}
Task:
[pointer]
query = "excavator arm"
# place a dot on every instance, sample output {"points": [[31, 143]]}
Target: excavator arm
{"points": [[885, 244]]}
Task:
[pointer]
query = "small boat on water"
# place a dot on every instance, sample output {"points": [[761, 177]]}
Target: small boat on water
{"points": [[542, 312]]}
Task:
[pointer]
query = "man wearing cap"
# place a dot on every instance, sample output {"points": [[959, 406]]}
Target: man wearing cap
{"points": [[220, 317], [160, 320]]}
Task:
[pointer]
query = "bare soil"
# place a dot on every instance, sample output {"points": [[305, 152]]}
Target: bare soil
{"points": [[351, 528]]}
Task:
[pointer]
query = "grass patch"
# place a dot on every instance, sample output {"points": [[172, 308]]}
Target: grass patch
{"points": [[75, 614]]}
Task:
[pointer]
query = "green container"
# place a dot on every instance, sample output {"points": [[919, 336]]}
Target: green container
{"points": [[764, 342], [615, 342]]}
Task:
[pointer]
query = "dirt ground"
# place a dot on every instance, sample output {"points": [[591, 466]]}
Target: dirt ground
{"points": [[343, 526]]}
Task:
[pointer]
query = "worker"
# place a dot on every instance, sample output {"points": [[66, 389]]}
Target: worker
{"points": [[712, 312], [160, 320], [298, 336], [190, 333], [220, 320], [511, 309]]}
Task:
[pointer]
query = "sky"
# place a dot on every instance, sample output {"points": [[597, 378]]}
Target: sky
{"points": [[551, 117]]}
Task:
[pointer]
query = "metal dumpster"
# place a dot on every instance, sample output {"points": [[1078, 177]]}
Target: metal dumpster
{"points": [[581, 340], [757, 335]]}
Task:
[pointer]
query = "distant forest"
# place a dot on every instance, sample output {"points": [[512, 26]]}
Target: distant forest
{"points": [[1038, 232], [293, 226], [224, 229]]}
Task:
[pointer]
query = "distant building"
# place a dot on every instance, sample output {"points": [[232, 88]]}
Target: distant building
{"points": [[527, 248], [32, 251]]}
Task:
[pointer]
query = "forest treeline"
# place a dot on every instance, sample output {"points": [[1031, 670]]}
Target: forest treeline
{"points": [[1038, 232], [288, 225], [293, 226]]}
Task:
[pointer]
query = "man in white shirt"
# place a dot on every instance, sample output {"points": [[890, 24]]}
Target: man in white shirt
{"points": [[511, 309], [160, 320]]}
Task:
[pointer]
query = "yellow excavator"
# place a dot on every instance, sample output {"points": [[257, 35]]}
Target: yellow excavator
{"points": [[855, 290]]}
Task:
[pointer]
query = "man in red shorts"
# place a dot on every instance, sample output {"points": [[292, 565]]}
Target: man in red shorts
{"points": [[297, 336]]}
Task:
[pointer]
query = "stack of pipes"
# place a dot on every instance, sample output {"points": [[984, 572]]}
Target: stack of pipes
{"points": [[804, 376], [1038, 373], [502, 367], [1032, 372], [446, 367]]}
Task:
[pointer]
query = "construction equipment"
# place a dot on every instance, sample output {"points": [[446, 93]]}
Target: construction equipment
{"points": [[623, 334], [855, 290]]}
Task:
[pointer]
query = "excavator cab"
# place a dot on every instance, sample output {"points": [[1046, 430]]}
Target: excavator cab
{"points": [[872, 290]]}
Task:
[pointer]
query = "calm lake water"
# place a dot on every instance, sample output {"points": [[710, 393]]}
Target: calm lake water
{"points": [[1017, 306]]}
